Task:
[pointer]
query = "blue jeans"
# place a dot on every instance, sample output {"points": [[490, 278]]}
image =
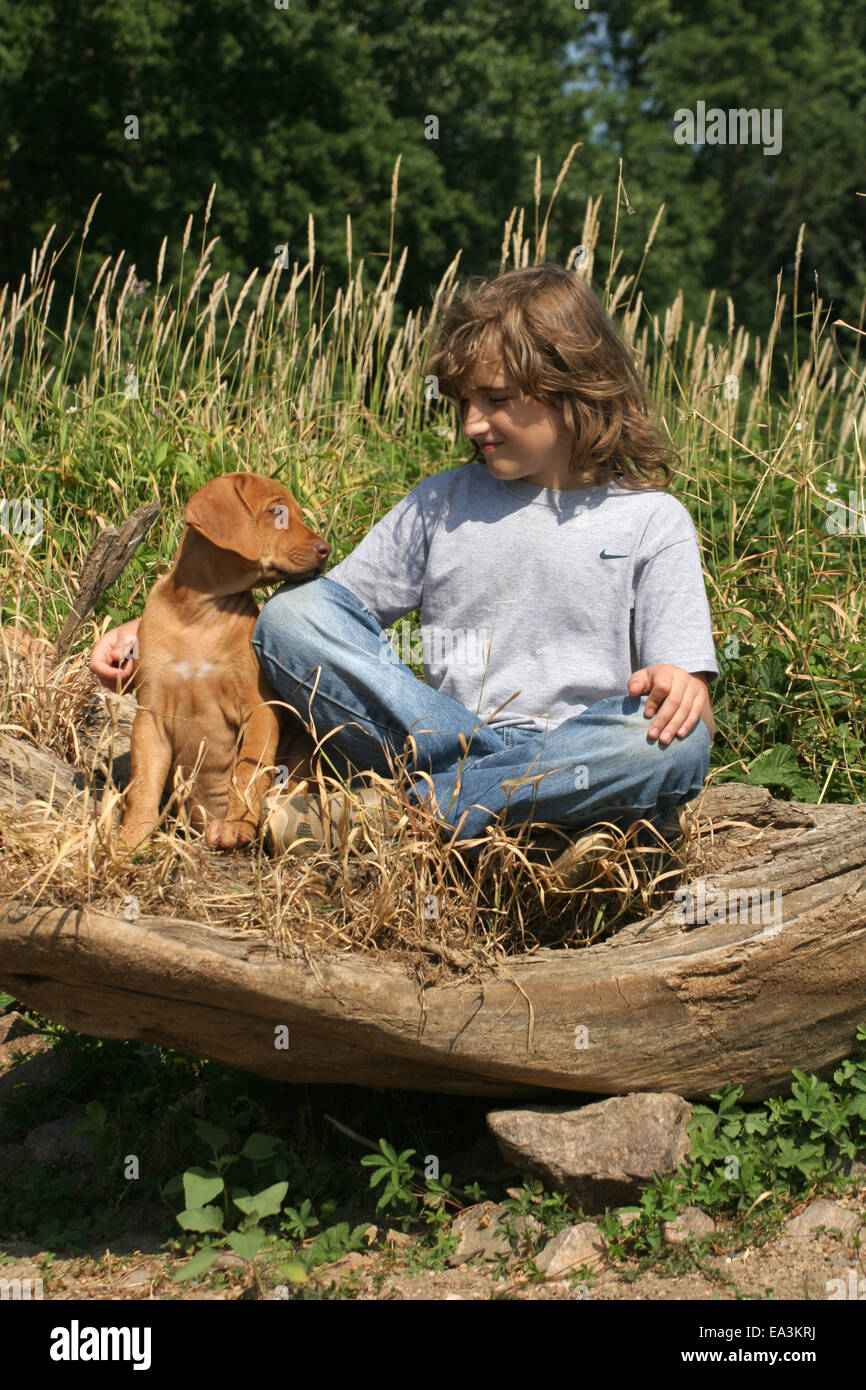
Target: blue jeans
{"points": [[597, 766]]}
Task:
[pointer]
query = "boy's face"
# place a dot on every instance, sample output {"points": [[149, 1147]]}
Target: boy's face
{"points": [[519, 437]]}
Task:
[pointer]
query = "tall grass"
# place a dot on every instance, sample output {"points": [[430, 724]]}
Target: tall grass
{"points": [[132, 388]]}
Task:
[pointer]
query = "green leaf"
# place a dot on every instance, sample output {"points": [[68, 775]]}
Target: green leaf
{"points": [[247, 1244], [216, 1138], [96, 1114], [173, 1189], [199, 1263], [200, 1187], [201, 1219], [259, 1147], [778, 767], [266, 1203]]}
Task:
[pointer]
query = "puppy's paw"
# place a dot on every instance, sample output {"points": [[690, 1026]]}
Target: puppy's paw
{"points": [[135, 833], [230, 834]]}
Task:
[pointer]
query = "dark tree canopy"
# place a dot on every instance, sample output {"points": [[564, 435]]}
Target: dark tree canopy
{"points": [[306, 108]]}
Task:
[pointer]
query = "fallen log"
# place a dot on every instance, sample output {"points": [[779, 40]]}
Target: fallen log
{"points": [[667, 1004]]}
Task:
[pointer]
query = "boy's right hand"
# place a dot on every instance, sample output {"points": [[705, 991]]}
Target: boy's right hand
{"points": [[110, 658]]}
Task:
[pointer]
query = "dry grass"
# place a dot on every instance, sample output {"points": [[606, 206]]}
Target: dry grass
{"points": [[410, 895]]}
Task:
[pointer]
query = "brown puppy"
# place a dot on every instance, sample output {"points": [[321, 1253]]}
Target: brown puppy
{"points": [[197, 678]]}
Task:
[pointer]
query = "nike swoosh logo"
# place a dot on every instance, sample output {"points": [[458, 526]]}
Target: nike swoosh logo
{"points": [[603, 555]]}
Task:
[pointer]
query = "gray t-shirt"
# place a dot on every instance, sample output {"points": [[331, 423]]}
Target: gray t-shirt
{"points": [[567, 592]]}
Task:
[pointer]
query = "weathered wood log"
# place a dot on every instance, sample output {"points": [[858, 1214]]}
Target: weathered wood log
{"points": [[666, 1004], [108, 557]]}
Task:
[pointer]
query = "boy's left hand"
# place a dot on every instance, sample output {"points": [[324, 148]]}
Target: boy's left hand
{"points": [[676, 699]]}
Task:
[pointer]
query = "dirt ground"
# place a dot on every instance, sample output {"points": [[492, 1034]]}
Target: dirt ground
{"points": [[720, 1268], [783, 1268]]}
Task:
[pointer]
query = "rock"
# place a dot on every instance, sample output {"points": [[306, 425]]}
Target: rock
{"points": [[229, 1260], [11, 1158], [691, 1223], [571, 1248], [479, 1232], [602, 1153], [13, 1026], [353, 1259], [193, 1102], [397, 1239], [29, 1046], [55, 1143], [629, 1214], [39, 1071], [823, 1213]]}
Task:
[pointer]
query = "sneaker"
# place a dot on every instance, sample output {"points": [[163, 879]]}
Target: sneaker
{"points": [[576, 864], [295, 824]]}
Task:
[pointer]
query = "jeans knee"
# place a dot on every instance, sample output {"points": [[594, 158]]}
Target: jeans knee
{"points": [[684, 761], [290, 610], [689, 757]]}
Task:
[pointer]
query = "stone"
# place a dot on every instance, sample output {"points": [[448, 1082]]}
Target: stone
{"points": [[397, 1239], [228, 1260], [571, 1248], [627, 1215], [479, 1232], [601, 1154], [55, 1143], [352, 1260], [35, 1073], [823, 1213], [14, 1025], [11, 1158], [691, 1223], [13, 1052]]}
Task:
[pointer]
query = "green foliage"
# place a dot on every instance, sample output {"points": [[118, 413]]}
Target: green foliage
{"points": [[733, 213], [395, 1171], [219, 1225], [778, 769], [306, 110], [402, 1194], [291, 113], [215, 1226], [739, 1154]]}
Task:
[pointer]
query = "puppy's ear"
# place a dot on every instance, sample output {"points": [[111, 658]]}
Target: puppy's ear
{"points": [[219, 512]]}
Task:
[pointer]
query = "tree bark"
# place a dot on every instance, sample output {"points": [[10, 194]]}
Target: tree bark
{"points": [[666, 1005]]}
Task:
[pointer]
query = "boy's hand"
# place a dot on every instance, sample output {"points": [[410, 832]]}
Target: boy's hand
{"points": [[676, 700], [109, 658]]}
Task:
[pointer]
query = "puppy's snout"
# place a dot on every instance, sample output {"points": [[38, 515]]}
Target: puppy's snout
{"points": [[322, 550]]}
